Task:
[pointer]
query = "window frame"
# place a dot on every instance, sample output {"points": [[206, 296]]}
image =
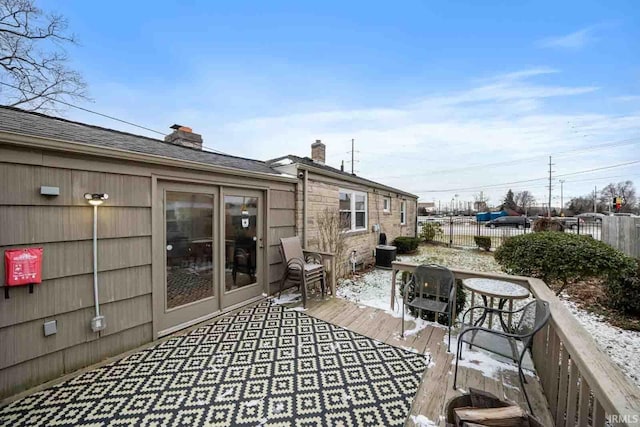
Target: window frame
{"points": [[403, 212], [352, 197], [386, 200]]}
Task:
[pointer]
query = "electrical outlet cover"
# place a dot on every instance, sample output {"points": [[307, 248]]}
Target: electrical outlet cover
{"points": [[98, 323], [50, 328]]}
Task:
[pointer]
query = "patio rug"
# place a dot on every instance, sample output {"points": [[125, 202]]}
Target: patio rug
{"points": [[265, 366]]}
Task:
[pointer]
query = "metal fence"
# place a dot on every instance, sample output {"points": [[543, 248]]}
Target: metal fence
{"points": [[460, 230]]}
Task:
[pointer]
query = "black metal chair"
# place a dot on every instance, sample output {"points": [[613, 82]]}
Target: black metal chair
{"points": [[435, 291], [511, 345]]}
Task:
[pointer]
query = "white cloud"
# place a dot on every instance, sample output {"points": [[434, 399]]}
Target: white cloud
{"points": [[627, 98], [414, 145], [576, 40]]}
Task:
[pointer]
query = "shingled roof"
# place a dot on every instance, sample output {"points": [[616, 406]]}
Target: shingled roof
{"points": [[37, 124], [348, 176]]}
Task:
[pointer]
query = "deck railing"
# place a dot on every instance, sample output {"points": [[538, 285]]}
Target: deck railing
{"points": [[581, 383]]}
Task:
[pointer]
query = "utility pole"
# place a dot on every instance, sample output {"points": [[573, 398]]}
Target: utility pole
{"points": [[352, 154], [550, 187], [561, 196], [595, 192]]}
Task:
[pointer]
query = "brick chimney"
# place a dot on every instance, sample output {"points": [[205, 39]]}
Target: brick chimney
{"points": [[318, 152], [184, 136]]}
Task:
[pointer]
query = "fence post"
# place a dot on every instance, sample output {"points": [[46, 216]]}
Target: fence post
{"points": [[578, 223], [450, 231]]}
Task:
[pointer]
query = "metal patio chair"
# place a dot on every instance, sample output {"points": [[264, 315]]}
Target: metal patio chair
{"points": [[511, 345], [435, 291], [301, 269]]}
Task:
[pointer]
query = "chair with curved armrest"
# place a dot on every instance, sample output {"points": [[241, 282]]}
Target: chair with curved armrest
{"points": [[512, 345], [300, 269]]}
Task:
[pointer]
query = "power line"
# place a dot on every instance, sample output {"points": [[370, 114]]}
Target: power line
{"points": [[85, 109], [622, 142], [103, 115], [633, 162], [530, 180]]}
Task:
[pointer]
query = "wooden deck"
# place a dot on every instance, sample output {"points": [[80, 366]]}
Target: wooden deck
{"points": [[436, 388]]}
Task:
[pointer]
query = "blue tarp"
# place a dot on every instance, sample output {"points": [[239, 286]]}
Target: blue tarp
{"points": [[483, 216]]}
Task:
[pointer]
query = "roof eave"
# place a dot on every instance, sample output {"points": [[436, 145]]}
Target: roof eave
{"points": [[354, 179], [31, 141]]}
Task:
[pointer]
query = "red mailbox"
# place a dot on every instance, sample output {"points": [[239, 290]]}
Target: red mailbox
{"points": [[23, 266]]}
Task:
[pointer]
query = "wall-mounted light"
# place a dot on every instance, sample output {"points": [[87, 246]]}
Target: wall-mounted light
{"points": [[96, 199], [98, 323]]}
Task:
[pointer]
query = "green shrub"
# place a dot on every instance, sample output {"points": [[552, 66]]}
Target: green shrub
{"points": [[483, 242], [461, 299], [431, 230], [406, 244], [561, 257], [623, 293]]}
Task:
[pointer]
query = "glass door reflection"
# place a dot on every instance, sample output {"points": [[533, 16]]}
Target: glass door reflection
{"points": [[241, 239], [189, 247]]}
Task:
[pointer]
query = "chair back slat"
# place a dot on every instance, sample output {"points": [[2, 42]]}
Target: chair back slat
{"points": [[291, 248], [433, 280]]}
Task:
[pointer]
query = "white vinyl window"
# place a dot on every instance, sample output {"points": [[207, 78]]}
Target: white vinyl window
{"points": [[386, 204], [403, 212], [353, 210]]}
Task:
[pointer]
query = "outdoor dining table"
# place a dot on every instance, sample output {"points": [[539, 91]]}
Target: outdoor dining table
{"points": [[490, 290]]}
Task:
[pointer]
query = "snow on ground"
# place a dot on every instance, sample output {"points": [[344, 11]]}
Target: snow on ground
{"points": [[469, 259], [621, 345]]}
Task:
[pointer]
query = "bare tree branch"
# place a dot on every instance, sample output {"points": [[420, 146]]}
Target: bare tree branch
{"points": [[33, 63]]}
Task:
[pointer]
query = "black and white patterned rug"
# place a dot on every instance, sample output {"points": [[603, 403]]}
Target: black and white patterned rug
{"points": [[265, 366]]}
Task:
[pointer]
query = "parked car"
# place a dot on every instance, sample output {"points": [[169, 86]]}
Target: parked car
{"points": [[509, 221], [591, 216], [571, 221]]}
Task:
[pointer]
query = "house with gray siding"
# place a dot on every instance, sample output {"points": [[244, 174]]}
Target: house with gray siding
{"points": [[184, 235], [142, 237]]}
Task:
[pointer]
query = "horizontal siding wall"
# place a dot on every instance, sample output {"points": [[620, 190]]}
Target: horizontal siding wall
{"points": [[282, 223], [63, 227]]}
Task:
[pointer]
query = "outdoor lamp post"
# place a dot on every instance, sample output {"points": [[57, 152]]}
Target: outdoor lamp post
{"points": [[98, 322]]}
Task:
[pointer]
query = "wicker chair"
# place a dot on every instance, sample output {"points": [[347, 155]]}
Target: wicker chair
{"points": [[435, 291], [300, 269], [512, 345]]}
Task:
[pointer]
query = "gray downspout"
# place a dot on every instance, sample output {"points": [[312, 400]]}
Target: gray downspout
{"points": [[416, 218], [304, 208]]}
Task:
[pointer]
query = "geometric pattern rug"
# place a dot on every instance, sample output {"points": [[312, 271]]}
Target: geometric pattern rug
{"points": [[264, 366]]}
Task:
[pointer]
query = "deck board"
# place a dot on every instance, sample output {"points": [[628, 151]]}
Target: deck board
{"points": [[436, 388]]}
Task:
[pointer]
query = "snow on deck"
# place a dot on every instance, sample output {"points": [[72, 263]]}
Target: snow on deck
{"points": [[373, 289]]}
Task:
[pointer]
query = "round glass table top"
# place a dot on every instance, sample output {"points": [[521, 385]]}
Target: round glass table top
{"points": [[496, 288]]}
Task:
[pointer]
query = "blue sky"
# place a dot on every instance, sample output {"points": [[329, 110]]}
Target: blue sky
{"points": [[427, 89]]}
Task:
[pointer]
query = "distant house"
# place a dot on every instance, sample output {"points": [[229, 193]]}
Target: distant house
{"points": [[368, 208], [425, 208]]}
